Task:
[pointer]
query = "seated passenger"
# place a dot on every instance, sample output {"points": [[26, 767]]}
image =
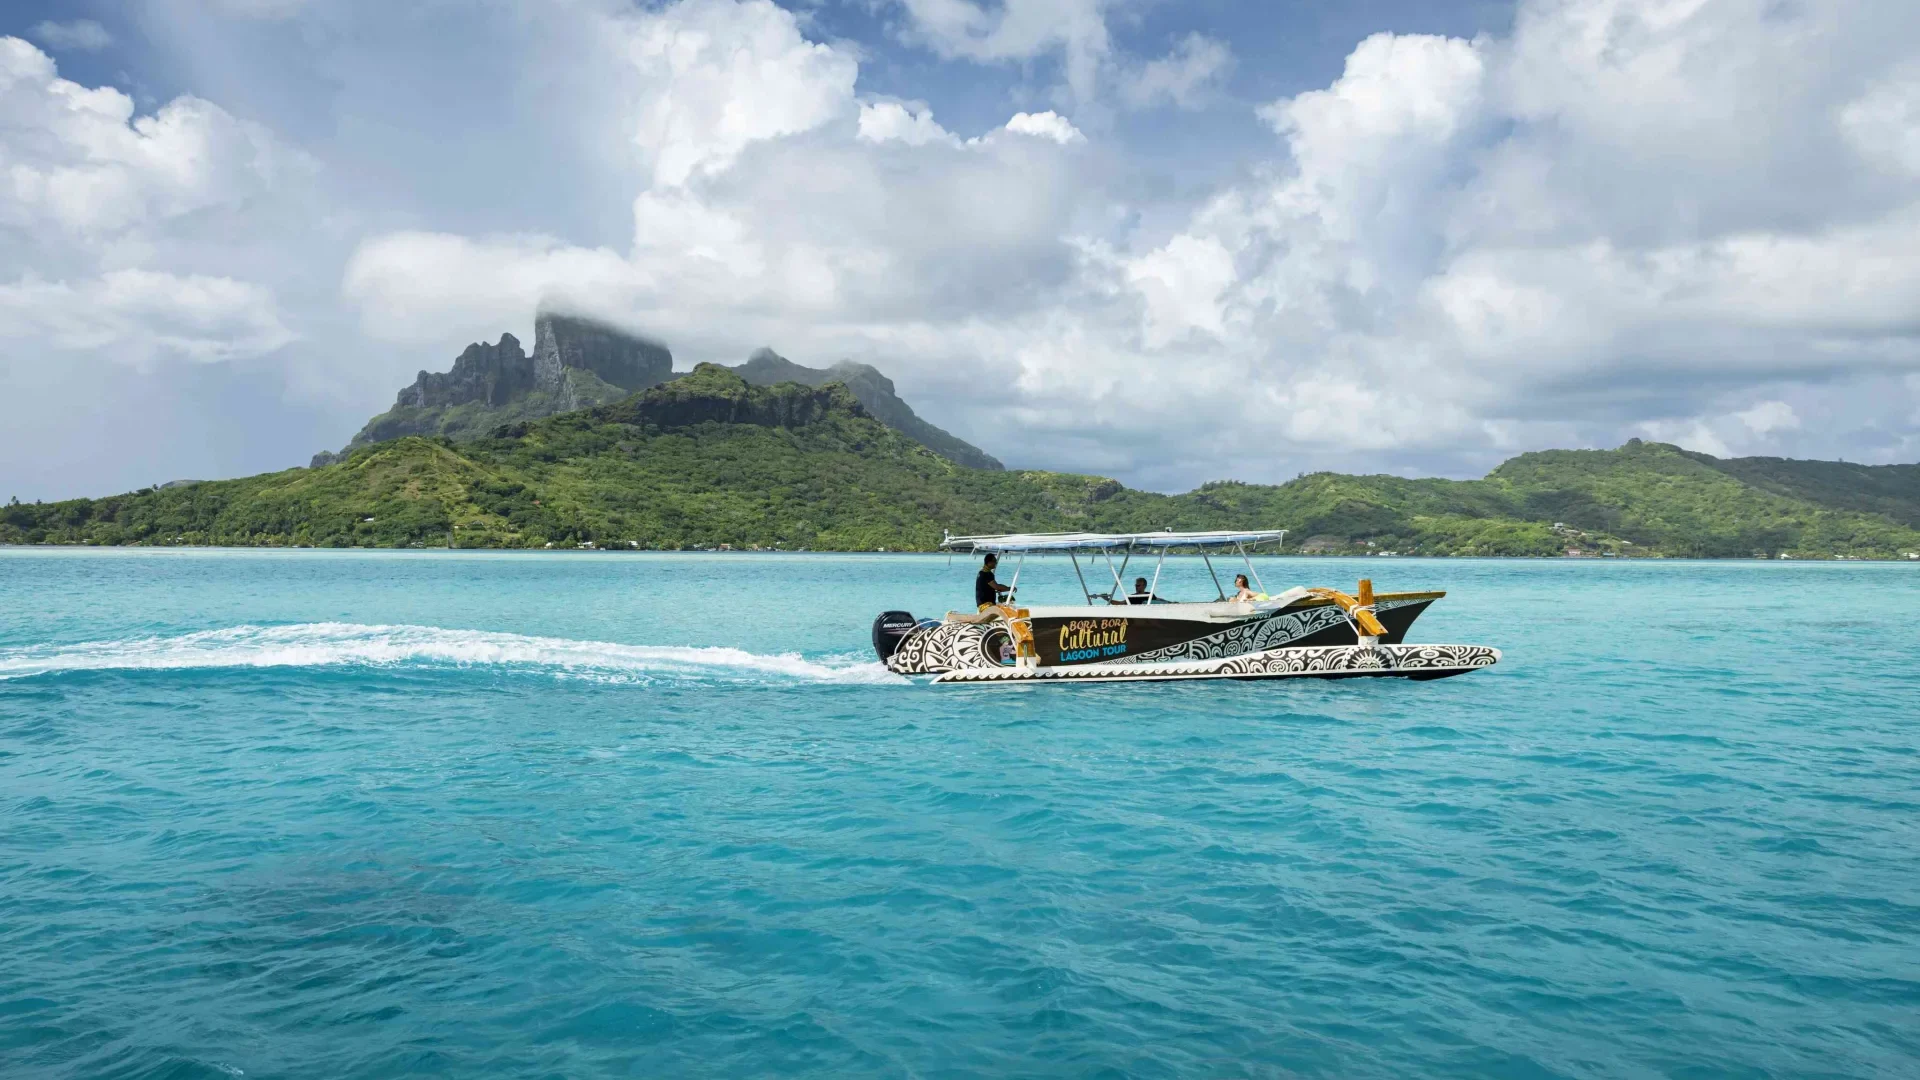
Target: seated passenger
{"points": [[1242, 593], [1141, 595]]}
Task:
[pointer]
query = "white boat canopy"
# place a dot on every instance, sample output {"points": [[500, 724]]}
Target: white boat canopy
{"points": [[1127, 544], [1149, 541]]}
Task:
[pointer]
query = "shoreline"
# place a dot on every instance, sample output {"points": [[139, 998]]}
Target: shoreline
{"points": [[584, 552]]}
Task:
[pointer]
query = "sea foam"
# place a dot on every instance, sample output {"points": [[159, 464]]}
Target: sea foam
{"points": [[308, 645]]}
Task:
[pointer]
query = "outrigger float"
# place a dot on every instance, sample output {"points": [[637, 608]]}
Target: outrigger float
{"points": [[1300, 633]]}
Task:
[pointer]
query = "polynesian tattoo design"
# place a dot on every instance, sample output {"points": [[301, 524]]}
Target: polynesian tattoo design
{"points": [[1250, 637], [1327, 661], [946, 647]]}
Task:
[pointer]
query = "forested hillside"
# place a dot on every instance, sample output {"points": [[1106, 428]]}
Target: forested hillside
{"points": [[709, 460]]}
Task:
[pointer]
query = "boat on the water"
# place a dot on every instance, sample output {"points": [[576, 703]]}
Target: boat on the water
{"points": [[1114, 636]]}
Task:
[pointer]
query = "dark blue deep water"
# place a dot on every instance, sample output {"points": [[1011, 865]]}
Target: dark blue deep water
{"points": [[318, 814]]}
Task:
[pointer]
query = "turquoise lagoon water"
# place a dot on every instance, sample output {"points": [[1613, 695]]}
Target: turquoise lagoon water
{"points": [[315, 814]]}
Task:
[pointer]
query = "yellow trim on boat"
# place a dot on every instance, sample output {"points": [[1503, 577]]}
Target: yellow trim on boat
{"points": [[1361, 613]]}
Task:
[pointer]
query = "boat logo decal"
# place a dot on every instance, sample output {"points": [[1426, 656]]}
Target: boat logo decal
{"points": [[1092, 639]]}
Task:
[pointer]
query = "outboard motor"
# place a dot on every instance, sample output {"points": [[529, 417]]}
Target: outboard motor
{"points": [[890, 629]]}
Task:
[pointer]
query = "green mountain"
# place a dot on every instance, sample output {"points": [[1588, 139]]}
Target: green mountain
{"points": [[710, 459], [1892, 490], [873, 390], [703, 460], [1641, 499], [576, 363]]}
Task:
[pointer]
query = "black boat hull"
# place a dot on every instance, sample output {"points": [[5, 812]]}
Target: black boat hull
{"points": [[1419, 663], [1145, 635]]}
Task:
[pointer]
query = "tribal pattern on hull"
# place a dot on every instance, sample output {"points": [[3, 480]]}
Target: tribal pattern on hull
{"points": [[1250, 637], [942, 647], [945, 647], [1336, 659], [1326, 662]]}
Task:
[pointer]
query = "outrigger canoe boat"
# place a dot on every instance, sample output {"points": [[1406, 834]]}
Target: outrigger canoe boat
{"points": [[1299, 633]]}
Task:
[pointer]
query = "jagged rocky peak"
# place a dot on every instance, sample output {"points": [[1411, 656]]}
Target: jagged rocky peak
{"points": [[765, 367], [577, 362], [497, 374], [626, 360], [489, 374], [873, 390]]}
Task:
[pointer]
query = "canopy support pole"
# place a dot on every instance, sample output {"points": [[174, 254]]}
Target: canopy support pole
{"points": [[1248, 559], [1153, 590], [1081, 576], [1015, 583], [1217, 587]]}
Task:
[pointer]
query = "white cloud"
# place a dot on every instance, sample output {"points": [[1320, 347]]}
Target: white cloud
{"points": [[874, 215], [82, 35], [1373, 147], [1187, 76], [433, 287], [800, 241], [1883, 124], [1182, 285], [1696, 435], [718, 75], [913, 124], [1768, 417], [93, 199], [79, 160], [1457, 250], [139, 316], [1045, 125], [1589, 223], [1018, 30]]}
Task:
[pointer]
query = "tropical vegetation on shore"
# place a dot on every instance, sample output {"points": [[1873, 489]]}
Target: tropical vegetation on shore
{"points": [[708, 460]]}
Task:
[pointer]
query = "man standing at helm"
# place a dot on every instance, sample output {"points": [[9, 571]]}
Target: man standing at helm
{"points": [[986, 591], [987, 595]]}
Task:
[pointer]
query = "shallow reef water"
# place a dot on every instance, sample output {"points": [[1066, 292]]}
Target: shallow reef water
{"points": [[331, 814]]}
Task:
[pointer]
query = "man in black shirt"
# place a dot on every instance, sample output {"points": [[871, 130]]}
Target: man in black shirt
{"points": [[1140, 594], [986, 591]]}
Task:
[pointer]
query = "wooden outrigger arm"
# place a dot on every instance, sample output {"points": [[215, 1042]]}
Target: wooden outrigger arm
{"points": [[1358, 608]]}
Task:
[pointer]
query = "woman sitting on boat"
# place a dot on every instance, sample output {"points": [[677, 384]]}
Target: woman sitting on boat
{"points": [[1242, 593]]}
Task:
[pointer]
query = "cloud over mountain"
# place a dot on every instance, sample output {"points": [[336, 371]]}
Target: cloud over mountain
{"points": [[1686, 219], [1624, 216]]}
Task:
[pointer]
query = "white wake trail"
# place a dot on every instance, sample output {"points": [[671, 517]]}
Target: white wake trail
{"points": [[350, 644]]}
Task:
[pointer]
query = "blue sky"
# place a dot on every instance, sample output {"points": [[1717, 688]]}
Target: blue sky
{"points": [[1168, 242]]}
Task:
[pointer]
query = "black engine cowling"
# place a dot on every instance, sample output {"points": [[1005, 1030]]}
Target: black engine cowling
{"points": [[890, 629]]}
